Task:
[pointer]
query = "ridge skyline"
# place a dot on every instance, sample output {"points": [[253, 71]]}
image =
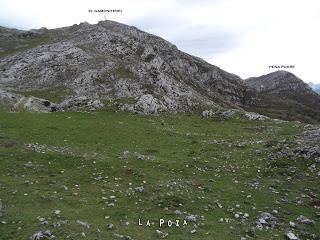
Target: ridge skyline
{"points": [[270, 69]]}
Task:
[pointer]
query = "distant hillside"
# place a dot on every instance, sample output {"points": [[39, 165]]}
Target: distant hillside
{"points": [[283, 95], [315, 87]]}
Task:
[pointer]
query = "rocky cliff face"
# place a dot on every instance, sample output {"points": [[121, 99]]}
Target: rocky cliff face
{"points": [[111, 61], [88, 66]]}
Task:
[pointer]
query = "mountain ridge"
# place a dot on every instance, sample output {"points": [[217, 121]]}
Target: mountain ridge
{"points": [[108, 55], [109, 63]]}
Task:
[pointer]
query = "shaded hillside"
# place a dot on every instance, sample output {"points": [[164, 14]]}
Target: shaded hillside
{"points": [[283, 95]]}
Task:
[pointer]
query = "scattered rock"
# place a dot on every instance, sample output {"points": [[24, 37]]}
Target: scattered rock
{"points": [[84, 224], [140, 189], [57, 212], [255, 116], [56, 224], [120, 236], [161, 234], [177, 212], [28, 164], [80, 103], [292, 224], [220, 114], [143, 157], [266, 220], [46, 222], [193, 231], [305, 145], [125, 154], [8, 98], [191, 218], [303, 220], [291, 236], [110, 226], [1, 209], [42, 235]]}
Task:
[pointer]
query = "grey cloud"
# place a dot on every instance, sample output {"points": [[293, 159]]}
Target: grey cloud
{"points": [[19, 23], [206, 40], [200, 40], [197, 2], [156, 23]]}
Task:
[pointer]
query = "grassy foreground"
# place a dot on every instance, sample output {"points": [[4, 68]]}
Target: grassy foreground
{"points": [[107, 167]]}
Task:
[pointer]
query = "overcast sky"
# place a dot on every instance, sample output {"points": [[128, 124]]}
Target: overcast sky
{"points": [[243, 37]]}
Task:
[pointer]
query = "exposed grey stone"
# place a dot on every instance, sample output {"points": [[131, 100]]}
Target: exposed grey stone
{"points": [[193, 231], [146, 104], [56, 224], [110, 226], [161, 234], [292, 224], [80, 103], [110, 61], [125, 154], [220, 113], [140, 189], [42, 235], [34, 104], [266, 220], [177, 212], [143, 157], [28, 164], [305, 145], [8, 98], [291, 236], [41, 219], [191, 218], [255, 116], [1, 209], [82, 223], [303, 220]]}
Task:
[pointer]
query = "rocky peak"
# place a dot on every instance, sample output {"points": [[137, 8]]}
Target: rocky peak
{"points": [[278, 81], [109, 61], [283, 95]]}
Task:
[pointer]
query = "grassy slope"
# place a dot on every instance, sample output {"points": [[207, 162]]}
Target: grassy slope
{"points": [[187, 174], [291, 108]]}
